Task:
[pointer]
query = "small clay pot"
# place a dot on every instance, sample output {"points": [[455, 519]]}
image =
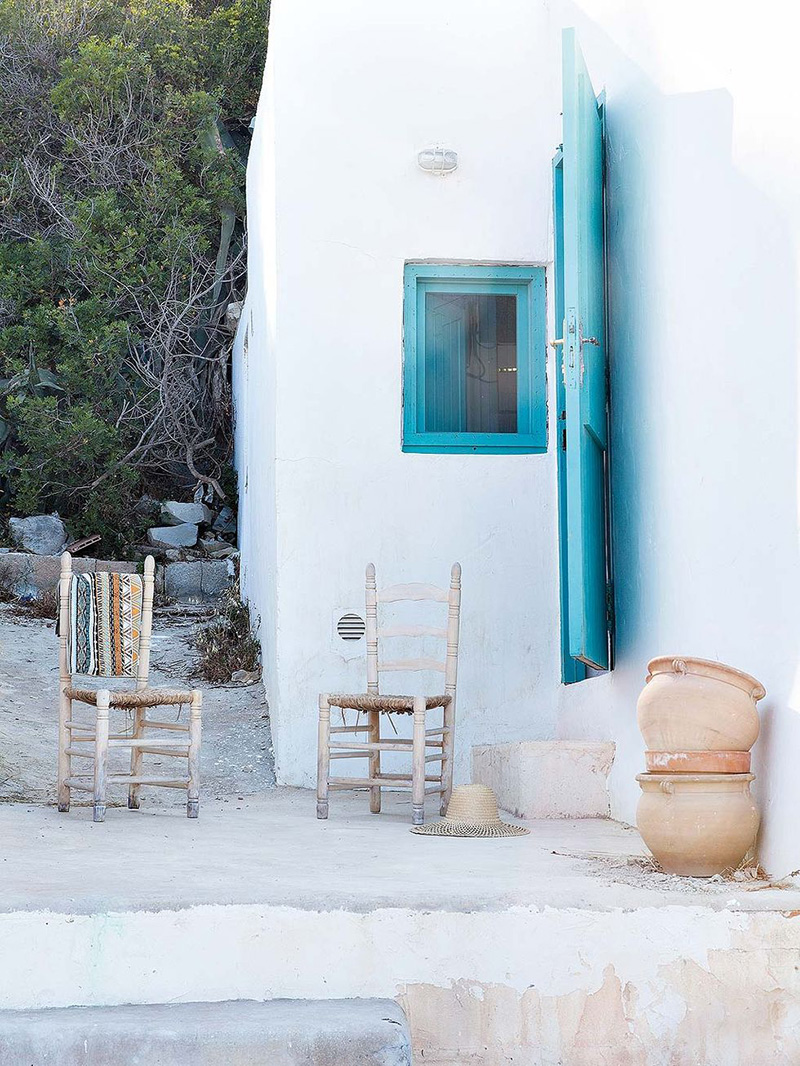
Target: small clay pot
{"points": [[698, 705], [697, 825], [697, 762]]}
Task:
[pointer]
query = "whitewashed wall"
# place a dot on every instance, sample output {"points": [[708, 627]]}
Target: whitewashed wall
{"points": [[703, 287]]}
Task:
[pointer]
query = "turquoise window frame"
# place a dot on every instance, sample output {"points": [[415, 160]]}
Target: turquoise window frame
{"points": [[527, 283]]}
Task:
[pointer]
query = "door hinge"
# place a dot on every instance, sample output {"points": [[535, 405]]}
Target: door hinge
{"points": [[609, 605]]}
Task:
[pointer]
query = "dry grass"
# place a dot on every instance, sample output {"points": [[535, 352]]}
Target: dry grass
{"points": [[227, 643], [45, 605], [748, 870], [643, 871], [8, 593]]}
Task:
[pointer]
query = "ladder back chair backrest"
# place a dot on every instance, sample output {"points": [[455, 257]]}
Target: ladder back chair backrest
{"points": [[413, 592], [117, 619]]}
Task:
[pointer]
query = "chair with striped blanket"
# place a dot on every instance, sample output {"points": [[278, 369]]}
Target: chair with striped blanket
{"points": [[105, 623]]}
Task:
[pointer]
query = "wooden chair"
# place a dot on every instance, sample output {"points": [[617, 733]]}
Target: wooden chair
{"points": [[114, 627], [427, 745]]}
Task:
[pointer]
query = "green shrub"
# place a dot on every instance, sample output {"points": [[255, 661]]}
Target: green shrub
{"points": [[122, 152]]}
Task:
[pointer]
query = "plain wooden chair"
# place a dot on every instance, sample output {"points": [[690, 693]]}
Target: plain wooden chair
{"points": [[129, 657], [428, 745]]}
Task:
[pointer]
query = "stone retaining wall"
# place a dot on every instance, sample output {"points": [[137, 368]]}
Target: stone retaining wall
{"points": [[186, 582]]}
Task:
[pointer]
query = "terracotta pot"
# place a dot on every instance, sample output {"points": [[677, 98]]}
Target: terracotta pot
{"points": [[697, 825], [698, 762], [697, 705]]}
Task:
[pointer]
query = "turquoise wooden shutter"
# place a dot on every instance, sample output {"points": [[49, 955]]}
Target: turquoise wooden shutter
{"points": [[580, 270]]}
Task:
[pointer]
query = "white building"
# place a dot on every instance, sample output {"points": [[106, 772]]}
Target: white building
{"points": [[702, 153]]}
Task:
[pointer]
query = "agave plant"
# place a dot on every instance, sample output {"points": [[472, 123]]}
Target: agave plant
{"points": [[33, 381]]}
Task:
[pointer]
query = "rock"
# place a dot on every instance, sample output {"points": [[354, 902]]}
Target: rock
{"points": [[183, 581], [118, 566], [143, 550], [225, 522], [42, 534], [233, 312], [214, 546], [245, 677], [16, 574], [204, 494], [147, 507], [174, 513], [179, 536], [47, 571], [215, 577]]}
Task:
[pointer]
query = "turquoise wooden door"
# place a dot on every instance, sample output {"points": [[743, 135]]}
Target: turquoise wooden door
{"points": [[583, 383]]}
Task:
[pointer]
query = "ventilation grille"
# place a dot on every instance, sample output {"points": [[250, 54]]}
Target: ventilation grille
{"points": [[351, 627]]}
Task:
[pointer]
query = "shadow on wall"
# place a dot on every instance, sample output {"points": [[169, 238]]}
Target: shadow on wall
{"points": [[730, 429], [704, 392]]}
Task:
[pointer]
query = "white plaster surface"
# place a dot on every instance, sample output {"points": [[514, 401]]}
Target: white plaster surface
{"points": [[703, 228], [547, 778], [544, 947]]}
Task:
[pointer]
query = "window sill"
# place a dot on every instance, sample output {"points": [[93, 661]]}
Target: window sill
{"points": [[476, 449]]}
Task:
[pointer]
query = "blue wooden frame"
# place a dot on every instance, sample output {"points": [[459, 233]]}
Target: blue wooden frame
{"points": [[527, 283]]}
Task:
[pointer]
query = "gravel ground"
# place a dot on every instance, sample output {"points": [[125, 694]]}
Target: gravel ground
{"points": [[237, 746]]}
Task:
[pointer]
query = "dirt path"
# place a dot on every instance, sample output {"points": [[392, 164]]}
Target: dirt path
{"points": [[237, 748]]}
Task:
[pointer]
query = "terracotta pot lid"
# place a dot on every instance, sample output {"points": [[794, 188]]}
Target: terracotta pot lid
{"points": [[701, 762], [667, 664]]}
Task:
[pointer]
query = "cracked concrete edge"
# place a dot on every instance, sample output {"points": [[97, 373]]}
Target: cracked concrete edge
{"points": [[284, 1032]]}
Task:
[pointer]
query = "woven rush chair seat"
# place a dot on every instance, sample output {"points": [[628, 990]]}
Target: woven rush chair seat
{"points": [[152, 697], [365, 701]]}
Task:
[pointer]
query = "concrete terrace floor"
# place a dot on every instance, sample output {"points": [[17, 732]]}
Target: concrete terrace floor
{"points": [[271, 850]]}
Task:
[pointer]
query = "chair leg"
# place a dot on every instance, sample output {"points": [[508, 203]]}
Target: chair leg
{"points": [[448, 747], [101, 755], [136, 758], [323, 756], [64, 760], [195, 728], [375, 761], [418, 763]]}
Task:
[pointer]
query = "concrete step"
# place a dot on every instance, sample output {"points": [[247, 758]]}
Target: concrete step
{"points": [[282, 1032], [547, 778]]}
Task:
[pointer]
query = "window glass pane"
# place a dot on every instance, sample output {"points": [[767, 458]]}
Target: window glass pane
{"points": [[470, 363]]}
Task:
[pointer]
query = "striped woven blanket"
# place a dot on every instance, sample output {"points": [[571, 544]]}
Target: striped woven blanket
{"points": [[105, 624]]}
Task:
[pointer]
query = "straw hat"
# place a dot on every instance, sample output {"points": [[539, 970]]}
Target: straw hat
{"points": [[471, 812]]}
